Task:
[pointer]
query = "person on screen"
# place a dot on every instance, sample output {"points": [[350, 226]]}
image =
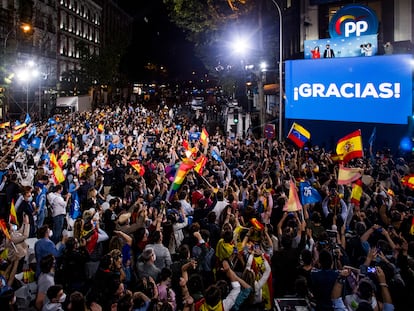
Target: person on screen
{"points": [[328, 53], [315, 52]]}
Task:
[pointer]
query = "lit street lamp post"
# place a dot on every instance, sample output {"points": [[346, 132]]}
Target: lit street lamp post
{"points": [[25, 74], [280, 68]]}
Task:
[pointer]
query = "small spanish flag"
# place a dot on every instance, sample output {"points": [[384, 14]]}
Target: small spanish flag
{"points": [[412, 226], [13, 215], [101, 128], [201, 161], [138, 167], [257, 224], [204, 137], [4, 125], [3, 228]]}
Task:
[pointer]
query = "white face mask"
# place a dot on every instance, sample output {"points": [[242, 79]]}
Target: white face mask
{"points": [[50, 233], [62, 298]]}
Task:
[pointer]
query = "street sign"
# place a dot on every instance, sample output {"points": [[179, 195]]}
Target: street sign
{"points": [[269, 131]]}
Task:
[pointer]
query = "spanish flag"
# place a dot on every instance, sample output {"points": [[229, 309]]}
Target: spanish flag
{"points": [[100, 127], [71, 146], [18, 134], [3, 228], [412, 226], [4, 125], [347, 175], [293, 203], [356, 193], [13, 215], [138, 167], [201, 162], [204, 137], [408, 181], [257, 224], [350, 146], [57, 174]]}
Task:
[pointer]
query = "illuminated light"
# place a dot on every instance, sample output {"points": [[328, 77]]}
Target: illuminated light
{"points": [[406, 144]]}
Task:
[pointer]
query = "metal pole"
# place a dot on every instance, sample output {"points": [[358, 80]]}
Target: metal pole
{"points": [[27, 97], [280, 69]]}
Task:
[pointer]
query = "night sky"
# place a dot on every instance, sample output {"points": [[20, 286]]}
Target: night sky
{"points": [[157, 40]]}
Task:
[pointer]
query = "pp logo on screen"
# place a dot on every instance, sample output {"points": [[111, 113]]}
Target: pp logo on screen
{"points": [[353, 21]]}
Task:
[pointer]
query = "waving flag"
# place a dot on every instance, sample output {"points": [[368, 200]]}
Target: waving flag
{"points": [[412, 226], [350, 146], [293, 203], [308, 194], [185, 166], [27, 120], [51, 121], [298, 134], [408, 181], [138, 167], [24, 144], [36, 142], [71, 145], [52, 132], [57, 174], [373, 136], [201, 162], [101, 128], [194, 136], [204, 137], [4, 125], [32, 131], [13, 215], [74, 210], [356, 193], [216, 156], [347, 175], [18, 134], [3, 227], [113, 146]]}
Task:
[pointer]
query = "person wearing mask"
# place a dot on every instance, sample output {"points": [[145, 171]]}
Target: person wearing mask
{"points": [[44, 246], [58, 203], [28, 208], [56, 297]]}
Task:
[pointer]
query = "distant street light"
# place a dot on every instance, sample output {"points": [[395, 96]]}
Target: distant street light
{"points": [[24, 27], [280, 68], [26, 74]]}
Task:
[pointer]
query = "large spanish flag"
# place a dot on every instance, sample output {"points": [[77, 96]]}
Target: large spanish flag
{"points": [[350, 146], [185, 166], [18, 134]]}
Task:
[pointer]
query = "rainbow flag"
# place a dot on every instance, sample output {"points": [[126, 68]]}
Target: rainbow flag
{"points": [[204, 137], [201, 162], [138, 167], [185, 166], [13, 215], [298, 134], [57, 174], [350, 146], [293, 204]]}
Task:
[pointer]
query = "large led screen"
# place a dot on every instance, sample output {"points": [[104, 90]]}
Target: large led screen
{"points": [[374, 89]]}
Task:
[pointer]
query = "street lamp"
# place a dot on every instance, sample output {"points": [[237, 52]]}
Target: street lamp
{"points": [[280, 69], [24, 27], [25, 74]]}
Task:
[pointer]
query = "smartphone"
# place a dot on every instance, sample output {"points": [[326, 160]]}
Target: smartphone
{"points": [[371, 269]]}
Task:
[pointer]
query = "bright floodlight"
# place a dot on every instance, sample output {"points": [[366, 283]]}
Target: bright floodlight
{"points": [[263, 66], [23, 75], [240, 46], [30, 63]]}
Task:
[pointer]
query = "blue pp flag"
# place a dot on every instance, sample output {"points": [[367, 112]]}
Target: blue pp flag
{"points": [[113, 146], [23, 143], [194, 136], [308, 194], [27, 120], [17, 123], [52, 132], [35, 143], [74, 211], [32, 131], [51, 121], [2, 173], [57, 138], [216, 156]]}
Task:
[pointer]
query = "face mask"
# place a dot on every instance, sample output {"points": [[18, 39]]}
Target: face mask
{"points": [[14, 227], [30, 199], [50, 233], [62, 298]]}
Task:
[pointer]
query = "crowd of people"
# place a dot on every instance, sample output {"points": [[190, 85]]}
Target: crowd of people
{"points": [[119, 225]]}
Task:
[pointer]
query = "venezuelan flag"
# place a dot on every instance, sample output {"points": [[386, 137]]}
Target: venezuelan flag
{"points": [[298, 134], [183, 169], [350, 146]]}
